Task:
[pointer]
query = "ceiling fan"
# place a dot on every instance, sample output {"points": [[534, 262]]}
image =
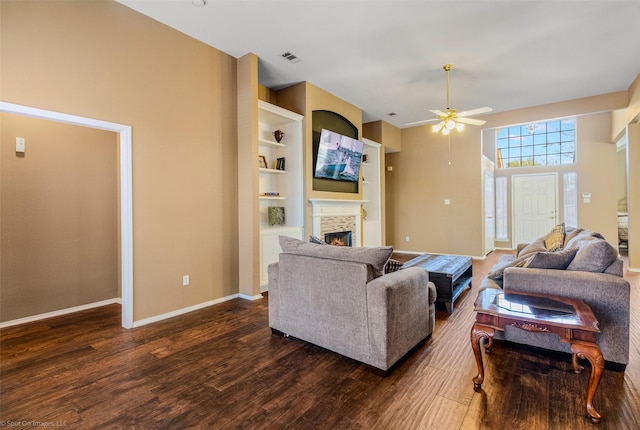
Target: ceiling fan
{"points": [[450, 118]]}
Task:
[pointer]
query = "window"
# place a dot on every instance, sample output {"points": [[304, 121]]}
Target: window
{"points": [[547, 143], [501, 208], [570, 181]]}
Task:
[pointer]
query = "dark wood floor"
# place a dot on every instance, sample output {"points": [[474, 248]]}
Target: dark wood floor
{"points": [[221, 368]]}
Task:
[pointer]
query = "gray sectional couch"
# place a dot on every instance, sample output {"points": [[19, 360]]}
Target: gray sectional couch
{"points": [[586, 267], [340, 299]]}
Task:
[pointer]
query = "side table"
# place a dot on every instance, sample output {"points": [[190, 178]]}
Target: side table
{"points": [[572, 320]]}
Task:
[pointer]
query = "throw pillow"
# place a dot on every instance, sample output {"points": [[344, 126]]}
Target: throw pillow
{"points": [[375, 257], [555, 239], [497, 272], [594, 256], [392, 266], [317, 240], [551, 260], [533, 247]]}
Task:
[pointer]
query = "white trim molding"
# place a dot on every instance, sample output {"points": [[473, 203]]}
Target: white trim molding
{"points": [[183, 311], [60, 312]]}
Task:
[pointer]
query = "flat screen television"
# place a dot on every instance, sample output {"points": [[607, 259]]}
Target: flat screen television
{"points": [[339, 157]]}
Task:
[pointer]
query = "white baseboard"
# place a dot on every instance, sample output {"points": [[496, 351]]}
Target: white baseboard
{"points": [[184, 310], [60, 312], [633, 269], [256, 297]]}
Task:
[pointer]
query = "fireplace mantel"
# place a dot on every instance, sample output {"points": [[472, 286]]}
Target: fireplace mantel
{"points": [[327, 208]]}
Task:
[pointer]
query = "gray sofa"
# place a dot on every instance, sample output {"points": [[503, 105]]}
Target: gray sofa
{"points": [[586, 267], [340, 299]]}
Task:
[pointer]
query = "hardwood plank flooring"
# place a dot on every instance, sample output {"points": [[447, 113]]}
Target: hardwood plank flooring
{"points": [[221, 368]]}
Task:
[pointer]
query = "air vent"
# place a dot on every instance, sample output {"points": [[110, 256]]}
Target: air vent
{"points": [[291, 58], [392, 114]]}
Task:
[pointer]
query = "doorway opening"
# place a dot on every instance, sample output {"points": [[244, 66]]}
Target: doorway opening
{"points": [[126, 203]]}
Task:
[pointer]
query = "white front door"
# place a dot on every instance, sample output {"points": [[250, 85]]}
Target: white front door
{"points": [[489, 213], [534, 203]]}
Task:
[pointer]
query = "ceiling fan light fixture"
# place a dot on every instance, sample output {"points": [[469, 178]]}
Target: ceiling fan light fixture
{"points": [[450, 124], [459, 126], [445, 131]]}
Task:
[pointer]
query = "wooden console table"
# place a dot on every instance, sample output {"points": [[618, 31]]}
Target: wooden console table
{"points": [[572, 320]]}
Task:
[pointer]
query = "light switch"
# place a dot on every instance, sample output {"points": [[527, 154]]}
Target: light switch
{"points": [[20, 144], [447, 201]]}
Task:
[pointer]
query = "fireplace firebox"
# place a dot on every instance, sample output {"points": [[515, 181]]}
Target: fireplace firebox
{"points": [[339, 238]]}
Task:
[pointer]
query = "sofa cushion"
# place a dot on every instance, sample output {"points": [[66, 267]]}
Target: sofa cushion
{"points": [[555, 239], [594, 256], [536, 246], [497, 271], [375, 257], [551, 260], [569, 234], [582, 238]]}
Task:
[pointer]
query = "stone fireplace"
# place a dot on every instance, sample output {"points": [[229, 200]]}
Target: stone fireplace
{"points": [[335, 216]]}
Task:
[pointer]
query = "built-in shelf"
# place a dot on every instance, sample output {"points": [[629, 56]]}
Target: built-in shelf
{"points": [[271, 143], [262, 169], [287, 183]]}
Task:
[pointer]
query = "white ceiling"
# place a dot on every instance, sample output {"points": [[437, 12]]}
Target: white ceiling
{"points": [[387, 55]]}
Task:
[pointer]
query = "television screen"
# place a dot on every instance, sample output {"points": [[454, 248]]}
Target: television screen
{"points": [[339, 157]]}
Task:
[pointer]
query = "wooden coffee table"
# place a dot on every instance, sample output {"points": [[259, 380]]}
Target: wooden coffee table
{"points": [[572, 320], [451, 274]]}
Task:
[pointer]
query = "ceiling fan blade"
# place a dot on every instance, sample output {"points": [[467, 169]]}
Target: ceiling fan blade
{"points": [[438, 112], [424, 121], [475, 111], [470, 121]]}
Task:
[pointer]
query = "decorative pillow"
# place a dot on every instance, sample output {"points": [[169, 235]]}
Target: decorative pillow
{"points": [[392, 266], [594, 256], [317, 240], [497, 272], [533, 247], [555, 239], [551, 260], [375, 257]]}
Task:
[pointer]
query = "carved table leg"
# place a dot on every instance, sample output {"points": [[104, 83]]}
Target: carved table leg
{"points": [[478, 333], [574, 362], [591, 352]]}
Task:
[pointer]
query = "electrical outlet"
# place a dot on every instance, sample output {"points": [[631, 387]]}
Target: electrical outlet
{"points": [[185, 280], [406, 239]]}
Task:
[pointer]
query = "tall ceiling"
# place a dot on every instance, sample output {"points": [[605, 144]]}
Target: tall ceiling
{"points": [[387, 56]]}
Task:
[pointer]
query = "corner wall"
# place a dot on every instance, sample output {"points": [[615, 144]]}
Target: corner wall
{"points": [[105, 61]]}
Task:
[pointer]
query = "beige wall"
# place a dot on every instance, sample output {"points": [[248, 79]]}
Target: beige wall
{"points": [[101, 60], [422, 178], [248, 185], [59, 217], [633, 193], [631, 111]]}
